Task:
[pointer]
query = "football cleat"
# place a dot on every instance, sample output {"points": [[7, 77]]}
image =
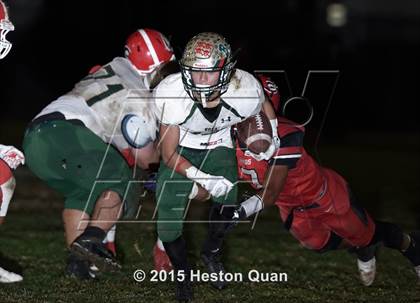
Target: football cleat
{"points": [[367, 271], [412, 253], [161, 260], [366, 263], [95, 252], [79, 269], [9, 277], [214, 266]]}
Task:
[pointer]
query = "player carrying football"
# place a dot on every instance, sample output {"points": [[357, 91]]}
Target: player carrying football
{"points": [[196, 109]]}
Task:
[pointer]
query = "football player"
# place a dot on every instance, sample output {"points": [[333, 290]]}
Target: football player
{"points": [[196, 109], [316, 203], [5, 26], [161, 259], [76, 145], [10, 159]]}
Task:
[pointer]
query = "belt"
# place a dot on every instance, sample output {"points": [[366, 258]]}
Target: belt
{"points": [[54, 116], [289, 220]]}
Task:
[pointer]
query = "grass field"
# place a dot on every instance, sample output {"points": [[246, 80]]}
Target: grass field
{"points": [[385, 177]]}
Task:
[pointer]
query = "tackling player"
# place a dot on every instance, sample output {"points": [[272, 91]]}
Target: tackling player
{"points": [[317, 205]]}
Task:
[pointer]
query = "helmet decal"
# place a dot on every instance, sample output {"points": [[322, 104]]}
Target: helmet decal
{"points": [[207, 52]]}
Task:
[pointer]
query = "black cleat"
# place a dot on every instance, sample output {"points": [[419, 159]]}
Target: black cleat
{"points": [[214, 267], [412, 253], [79, 269], [94, 251]]}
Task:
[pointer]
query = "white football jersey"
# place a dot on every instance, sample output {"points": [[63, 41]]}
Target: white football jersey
{"points": [[102, 99], [207, 128]]}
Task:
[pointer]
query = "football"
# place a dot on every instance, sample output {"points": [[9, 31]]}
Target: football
{"points": [[255, 133]]}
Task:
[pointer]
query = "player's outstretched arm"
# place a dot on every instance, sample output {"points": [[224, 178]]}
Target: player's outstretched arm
{"points": [[274, 180]]}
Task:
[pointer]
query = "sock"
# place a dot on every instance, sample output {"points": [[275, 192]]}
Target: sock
{"points": [[366, 253]]}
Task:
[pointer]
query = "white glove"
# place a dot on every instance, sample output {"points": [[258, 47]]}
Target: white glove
{"points": [[252, 205], [194, 191], [12, 156], [217, 186], [276, 139]]}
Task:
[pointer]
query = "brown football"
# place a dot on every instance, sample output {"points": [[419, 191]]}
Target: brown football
{"points": [[255, 133]]}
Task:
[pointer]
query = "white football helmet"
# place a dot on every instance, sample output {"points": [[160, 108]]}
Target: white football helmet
{"points": [[207, 52], [5, 27]]}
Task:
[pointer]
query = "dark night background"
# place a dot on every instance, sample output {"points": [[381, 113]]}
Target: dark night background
{"points": [[371, 133], [376, 51]]}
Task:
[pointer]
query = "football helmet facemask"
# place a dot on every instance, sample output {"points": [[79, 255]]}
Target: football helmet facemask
{"points": [[207, 52]]}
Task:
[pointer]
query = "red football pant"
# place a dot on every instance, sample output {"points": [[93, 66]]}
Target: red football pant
{"points": [[313, 227]]}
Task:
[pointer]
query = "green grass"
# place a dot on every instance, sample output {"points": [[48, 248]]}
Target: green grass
{"points": [[33, 237], [36, 242]]}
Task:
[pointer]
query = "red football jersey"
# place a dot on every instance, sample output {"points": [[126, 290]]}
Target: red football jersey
{"points": [[306, 183]]}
